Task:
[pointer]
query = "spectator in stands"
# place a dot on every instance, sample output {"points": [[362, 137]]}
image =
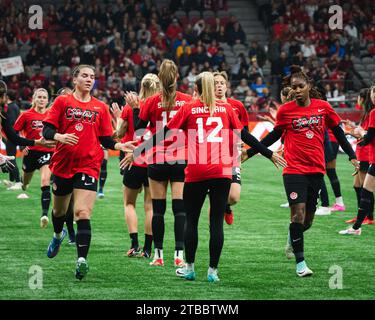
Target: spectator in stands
{"points": [[251, 100], [174, 29], [237, 35], [254, 70], [259, 87], [242, 88], [308, 49], [258, 52]]}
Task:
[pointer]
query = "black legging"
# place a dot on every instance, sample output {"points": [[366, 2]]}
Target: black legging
{"points": [[194, 196]]}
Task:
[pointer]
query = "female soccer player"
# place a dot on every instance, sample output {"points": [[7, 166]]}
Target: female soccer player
{"points": [[303, 121], [79, 123], [30, 123], [167, 167], [136, 177], [207, 123], [362, 152], [221, 81], [366, 202]]}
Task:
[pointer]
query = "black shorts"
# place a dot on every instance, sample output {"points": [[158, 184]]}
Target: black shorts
{"points": [[303, 188], [167, 172], [120, 157], [236, 175], [371, 170], [34, 160], [135, 177], [63, 186], [363, 166]]}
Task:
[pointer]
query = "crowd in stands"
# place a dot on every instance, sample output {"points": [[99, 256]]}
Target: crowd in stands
{"points": [[124, 40]]}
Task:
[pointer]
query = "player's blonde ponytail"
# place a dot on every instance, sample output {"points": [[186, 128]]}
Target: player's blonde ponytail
{"points": [[206, 88], [168, 77], [150, 85]]}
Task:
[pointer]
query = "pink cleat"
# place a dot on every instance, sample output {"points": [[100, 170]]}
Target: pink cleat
{"points": [[338, 207]]}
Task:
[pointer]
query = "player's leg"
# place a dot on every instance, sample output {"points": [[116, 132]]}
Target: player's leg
{"points": [[234, 195], [45, 181], [103, 174], [130, 199], [147, 248], [194, 195], [62, 189], [357, 186], [158, 190], [335, 182], [219, 191], [69, 221], [324, 209], [84, 193]]}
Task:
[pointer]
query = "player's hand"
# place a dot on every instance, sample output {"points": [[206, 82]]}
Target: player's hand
{"points": [[116, 110], [266, 118], [128, 146], [5, 164], [278, 160], [45, 143], [355, 163], [127, 161], [67, 138], [244, 156], [25, 151], [132, 99]]}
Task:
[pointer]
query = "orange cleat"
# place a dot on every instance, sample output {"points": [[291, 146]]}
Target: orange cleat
{"points": [[229, 217], [368, 221], [157, 263], [351, 221]]}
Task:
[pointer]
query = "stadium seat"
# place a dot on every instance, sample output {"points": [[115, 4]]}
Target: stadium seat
{"points": [[370, 67], [367, 60]]}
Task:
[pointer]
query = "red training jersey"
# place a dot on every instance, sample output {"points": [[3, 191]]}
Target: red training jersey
{"points": [[208, 139], [88, 121], [240, 111], [304, 135], [173, 148], [372, 144], [363, 153], [30, 123], [331, 136]]}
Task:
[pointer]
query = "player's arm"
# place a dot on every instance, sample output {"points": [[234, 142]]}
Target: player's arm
{"points": [[267, 141], [12, 136], [343, 142], [121, 128], [368, 137], [138, 122], [50, 133]]}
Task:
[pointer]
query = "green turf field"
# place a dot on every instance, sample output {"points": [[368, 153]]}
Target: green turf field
{"points": [[252, 265]]}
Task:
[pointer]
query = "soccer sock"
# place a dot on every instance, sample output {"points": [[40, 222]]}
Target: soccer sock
{"points": [[134, 238], [324, 195], [296, 235], [340, 201], [212, 270], [358, 194], [58, 224], [103, 175], [335, 183], [178, 209], [179, 254], [370, 214], [83, 237], [228, 209], [158, 254], [69, 217], [159, 207], [190, 267], [365, 207], [45, 199], [148, 243]]}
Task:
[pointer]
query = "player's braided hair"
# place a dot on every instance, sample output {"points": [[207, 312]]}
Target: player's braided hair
{"points": [[168, 75], [365, 94], [150, 85], [296, 72]]}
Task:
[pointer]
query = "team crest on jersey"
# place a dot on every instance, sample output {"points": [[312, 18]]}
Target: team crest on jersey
{"points": [[36, 124], [79, 127], [293, 195], [309, 134]]}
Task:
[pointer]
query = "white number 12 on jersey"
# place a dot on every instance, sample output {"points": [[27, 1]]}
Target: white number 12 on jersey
{"points": [[212, 137]]}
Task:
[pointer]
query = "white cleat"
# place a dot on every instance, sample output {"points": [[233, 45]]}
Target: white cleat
{"points": [[351, 231], [323, 211], [23, 196], [17, 186], [7, 183], [284, 205], [44, 222], [305, 272]]}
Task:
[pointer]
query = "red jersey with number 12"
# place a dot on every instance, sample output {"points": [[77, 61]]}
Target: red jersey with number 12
{"points": [[208, 141], [304, 135], [88, 121]]}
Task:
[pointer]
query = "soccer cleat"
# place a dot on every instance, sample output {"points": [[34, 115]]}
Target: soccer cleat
{"points": [[17, 186], [368, 221], [184, 273], [229, 217], [351, 221], [284, 205], [304, 272], [44, 222], [7, 183], [157, 263], [54, 245], [100, 195], [323, 211], [82, 268], [338, 207], [179, 262], [145, 254], [22, 196], [213, 277], [134, 252], [351, 231], [72, 240]]}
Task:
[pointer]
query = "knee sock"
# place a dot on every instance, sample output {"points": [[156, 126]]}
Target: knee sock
{"points": [[148, 243], [103, 175], [333, 178], [178, 209], [83, 237], [365, 207], [45, 199], [358, 191], [159, 208], [69, 218], [296, 237], [370, 215], [58, 223], [324, 195], [134, 239]]}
